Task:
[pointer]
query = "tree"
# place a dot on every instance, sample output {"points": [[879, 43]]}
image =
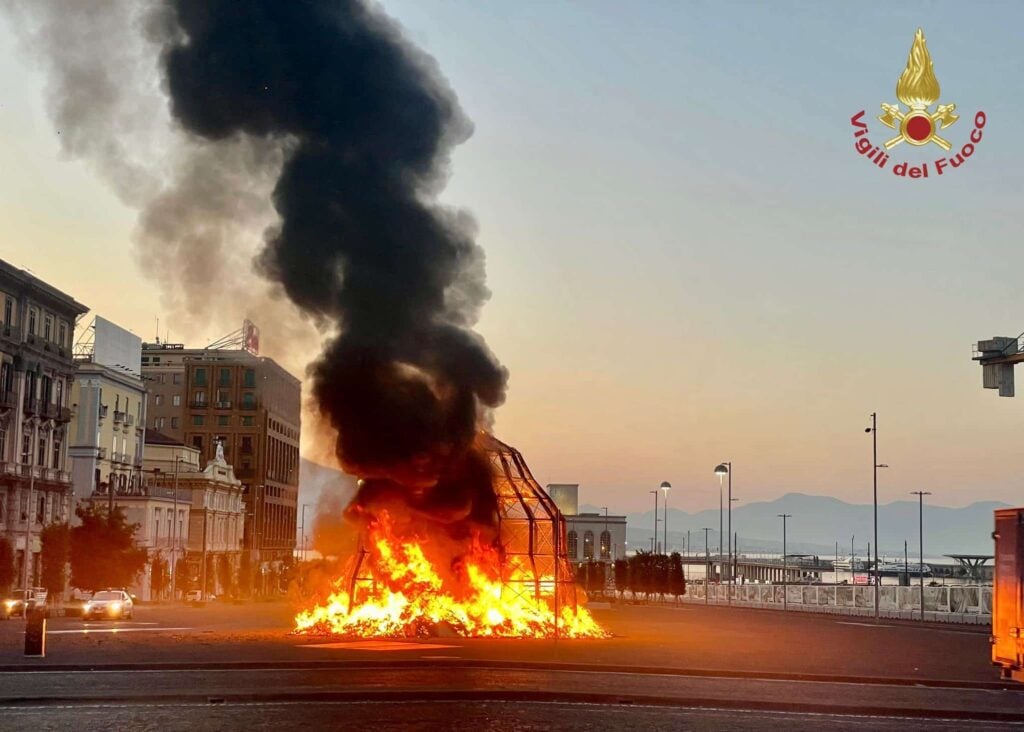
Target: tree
{"points": [[159, 576], [6, 564], [103, 551], [55, 553], [183, 578], [676, 577], [226, 575]]}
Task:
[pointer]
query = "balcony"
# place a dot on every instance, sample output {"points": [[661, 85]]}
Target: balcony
{"points": [[103, 411], [64, 415], [224, 405], [129, 420], [101, 453], [50, 410], [119, 417], [8, 400], [8, 468], [199, 405], [31, 407]]}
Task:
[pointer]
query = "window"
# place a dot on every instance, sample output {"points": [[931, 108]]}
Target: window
{"points": [[248, 421], [248, 400], [59, 401], [606, 545], [176, 399], [198, 420], [41, 508], [200, 377], [175, 378], [588, 545], [24, 505], [573, 545], [250, 378], [158, 400], [246, 444], [145, 359], [8, 310], [63, 338], [41, 451], [56, 451], [225, 377], [199, 398], [157, 515], [175, 423], [223, 420], [3, 445], [160, 423], [48, 328], [197, 443], [32, 322]]}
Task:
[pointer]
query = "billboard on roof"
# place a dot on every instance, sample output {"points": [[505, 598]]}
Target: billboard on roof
{"points": [[116, 347]]}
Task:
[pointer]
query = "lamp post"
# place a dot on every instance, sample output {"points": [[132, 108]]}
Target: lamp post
{"points": [[302, 530], [725, 468], [785, 579], [665, 486], [707, 565], [27, 557], [654, 537], [920, 534], [873, 429], [601, 549]]}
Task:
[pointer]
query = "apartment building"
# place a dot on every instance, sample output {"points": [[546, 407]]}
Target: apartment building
{"points": [[251, 407], [36, 375]]}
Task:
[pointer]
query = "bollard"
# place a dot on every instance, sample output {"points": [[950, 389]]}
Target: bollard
{"points": [[35, 633]]}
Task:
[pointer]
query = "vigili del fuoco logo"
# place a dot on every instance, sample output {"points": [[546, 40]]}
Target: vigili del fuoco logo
{"points": [[915, 122]]}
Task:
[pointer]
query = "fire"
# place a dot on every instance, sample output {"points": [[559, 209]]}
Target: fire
{"points": [[413, 589]]}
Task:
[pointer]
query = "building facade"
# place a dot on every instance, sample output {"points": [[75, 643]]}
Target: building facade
{"points": [[36, 374], [251, 406], [590, 537], [108, 429]]}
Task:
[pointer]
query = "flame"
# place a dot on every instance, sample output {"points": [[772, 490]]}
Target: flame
{"points": [[917, 87], [409, 594]]}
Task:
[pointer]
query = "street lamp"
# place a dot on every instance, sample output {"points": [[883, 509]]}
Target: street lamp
{"points": [[725, 468], [785, 579], [654, 538], [707, 565], [302, 531], [920, 533], [601, 547], [27, 556], [665, 486], [873, 429]]}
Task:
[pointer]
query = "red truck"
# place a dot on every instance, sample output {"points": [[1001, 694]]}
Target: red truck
{"points": [[1008, 594]]}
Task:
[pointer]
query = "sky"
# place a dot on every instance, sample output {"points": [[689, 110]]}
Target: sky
{"points": [[689, 261]]}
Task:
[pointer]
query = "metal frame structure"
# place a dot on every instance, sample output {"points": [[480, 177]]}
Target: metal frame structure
{"points": [[531, 531]]}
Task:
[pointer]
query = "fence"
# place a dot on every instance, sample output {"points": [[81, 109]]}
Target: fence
{"points": [[948, 603]]}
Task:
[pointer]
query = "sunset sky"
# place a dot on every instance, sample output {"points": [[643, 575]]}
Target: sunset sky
{"points": [[689, 261]]}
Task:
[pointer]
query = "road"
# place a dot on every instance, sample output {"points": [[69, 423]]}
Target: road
{"points": [[690, 667]]}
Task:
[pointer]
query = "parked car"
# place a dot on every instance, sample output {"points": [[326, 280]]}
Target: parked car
{"points": [[18, 601], [197, 596], [109, 604]]}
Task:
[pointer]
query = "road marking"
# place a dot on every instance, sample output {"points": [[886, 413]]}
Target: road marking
{"points": [[442, 658], [378, 646], [87, 631]]}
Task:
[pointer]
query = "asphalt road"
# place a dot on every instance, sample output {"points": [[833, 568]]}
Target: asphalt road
{"points": [[673, 668]]}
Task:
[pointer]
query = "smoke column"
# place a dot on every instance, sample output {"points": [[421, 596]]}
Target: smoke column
{"points": [[366, 124]]}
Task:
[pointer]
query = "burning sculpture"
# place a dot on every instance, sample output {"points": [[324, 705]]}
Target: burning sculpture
{"points": [[508, 577]]}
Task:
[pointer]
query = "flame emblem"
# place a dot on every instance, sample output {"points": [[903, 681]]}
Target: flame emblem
{"points": [[918, 89]]}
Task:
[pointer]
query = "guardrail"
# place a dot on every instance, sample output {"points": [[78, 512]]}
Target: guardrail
{"points": [[945, 603]]}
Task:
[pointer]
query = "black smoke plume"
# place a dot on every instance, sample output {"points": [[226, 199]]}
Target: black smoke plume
{"points": [[367, 125]]}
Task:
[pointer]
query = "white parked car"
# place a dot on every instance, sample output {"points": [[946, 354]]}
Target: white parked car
{"points": [[109, 604]]}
